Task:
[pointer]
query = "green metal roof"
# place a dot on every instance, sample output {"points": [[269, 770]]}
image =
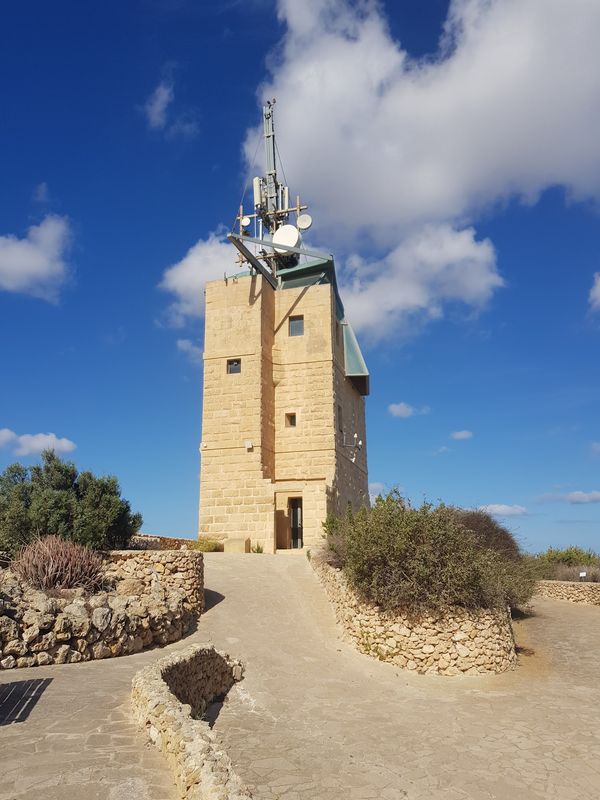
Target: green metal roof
{"points": [[316, 271]]}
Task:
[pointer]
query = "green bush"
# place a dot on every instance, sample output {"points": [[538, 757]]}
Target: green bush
{"points": [[53, 498], [424, 558], [571, 556], [54, 563], [206, 546]]}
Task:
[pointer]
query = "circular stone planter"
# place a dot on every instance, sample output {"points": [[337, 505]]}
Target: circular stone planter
{"points": [[156, 600], [459, 642]]}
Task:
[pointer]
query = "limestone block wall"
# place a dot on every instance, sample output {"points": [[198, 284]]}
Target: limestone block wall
{"points": [[574, 592], [460, 642], [154, 599], [168, 700]]}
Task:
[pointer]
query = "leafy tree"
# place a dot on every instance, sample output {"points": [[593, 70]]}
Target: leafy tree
{"points": [[572, 556], [53, 498]]}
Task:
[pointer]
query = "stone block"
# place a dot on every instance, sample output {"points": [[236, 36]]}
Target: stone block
{"points": [[236, 546]]}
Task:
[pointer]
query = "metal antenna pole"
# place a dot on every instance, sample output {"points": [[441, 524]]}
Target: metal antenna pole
{"points": [[271, 168]]}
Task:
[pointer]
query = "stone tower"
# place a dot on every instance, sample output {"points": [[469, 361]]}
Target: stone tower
{"points": [[283, 424]]}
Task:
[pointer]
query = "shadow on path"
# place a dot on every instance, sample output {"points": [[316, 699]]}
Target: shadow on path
{"points": [[212, 599], [17, 699]]}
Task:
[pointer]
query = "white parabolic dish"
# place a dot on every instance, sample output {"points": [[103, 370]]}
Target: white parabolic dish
{"points": [[287, 235]]}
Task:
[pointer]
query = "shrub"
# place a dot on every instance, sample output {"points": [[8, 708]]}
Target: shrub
{"points": [[565, 572], [423, 558], [54, 498], [571, 556], [206, 546], [53, 563], [257, 548], [489, 532]]}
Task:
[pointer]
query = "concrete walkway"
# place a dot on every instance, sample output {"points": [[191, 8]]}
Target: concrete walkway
{"points": [[314, 719]]}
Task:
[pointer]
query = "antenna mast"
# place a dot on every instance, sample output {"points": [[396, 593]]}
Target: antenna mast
{"points": [[270, 162], [271, 215]]}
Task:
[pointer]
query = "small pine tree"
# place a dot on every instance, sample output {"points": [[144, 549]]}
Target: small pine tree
{"points": [[53, 498]]}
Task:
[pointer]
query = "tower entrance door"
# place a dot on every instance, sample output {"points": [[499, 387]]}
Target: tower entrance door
{"points": [[295, 517]]}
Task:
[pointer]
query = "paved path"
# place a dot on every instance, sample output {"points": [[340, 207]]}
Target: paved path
{"points": [[314, 719]]}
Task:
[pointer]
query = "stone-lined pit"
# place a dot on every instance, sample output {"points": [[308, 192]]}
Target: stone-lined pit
{"points": [[168, 700]]}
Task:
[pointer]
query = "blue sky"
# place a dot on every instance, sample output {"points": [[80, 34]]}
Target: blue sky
{"points": [[450, 158]]}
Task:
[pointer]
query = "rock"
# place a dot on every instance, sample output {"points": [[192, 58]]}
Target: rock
{"points": [[427, 648], [29, 634], [130, 586], [101, 650], [101, 618], [26, 661], [16, 647], [8, 662], [462, 651], [43, 659], [459, 636], [8, 628]]}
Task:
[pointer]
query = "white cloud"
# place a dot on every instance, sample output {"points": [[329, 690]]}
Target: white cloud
{"points": [[502, 510], [157, 104], [6, 436], [40, 193], [389, 149], [595, 293], [36, 265], [458, 435], [191, 350], [577, 498], [376, 488], [431, 267], [405, 410], [33, 443], [442, 449], [207, 260]]}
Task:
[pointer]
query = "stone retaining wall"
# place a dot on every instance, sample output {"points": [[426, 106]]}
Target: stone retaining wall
{"points": [[168, 700], [156, 599], [574, 592], [182, 570], [461, 642]]}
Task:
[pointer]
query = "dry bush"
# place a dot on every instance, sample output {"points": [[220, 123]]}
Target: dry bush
{"points": [[206, 546], [564, 572], [489, 532], [424, 558], [52, 563]]}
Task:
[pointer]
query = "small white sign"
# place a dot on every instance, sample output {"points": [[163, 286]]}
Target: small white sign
{"points": [[582, 574]]}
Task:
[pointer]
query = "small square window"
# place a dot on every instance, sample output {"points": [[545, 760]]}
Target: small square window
{"points": [[234, 365], [290, 420], [296, 326]]}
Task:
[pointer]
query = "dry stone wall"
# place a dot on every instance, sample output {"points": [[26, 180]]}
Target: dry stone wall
{"points": [[160, 571], [168, 700], [460, 642], [154, 599], [587, 593]]}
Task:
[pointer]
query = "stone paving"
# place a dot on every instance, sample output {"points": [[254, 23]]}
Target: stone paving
{"points": [[315, 719]]}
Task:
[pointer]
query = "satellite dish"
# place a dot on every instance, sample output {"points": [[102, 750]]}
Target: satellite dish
{"points": [[245, 222], [304, 222], [287, 235]]}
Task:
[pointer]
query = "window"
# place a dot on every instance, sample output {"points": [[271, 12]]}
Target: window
{"points": [[340, 420], [290, 420], [296, 326], [234, 365]]}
